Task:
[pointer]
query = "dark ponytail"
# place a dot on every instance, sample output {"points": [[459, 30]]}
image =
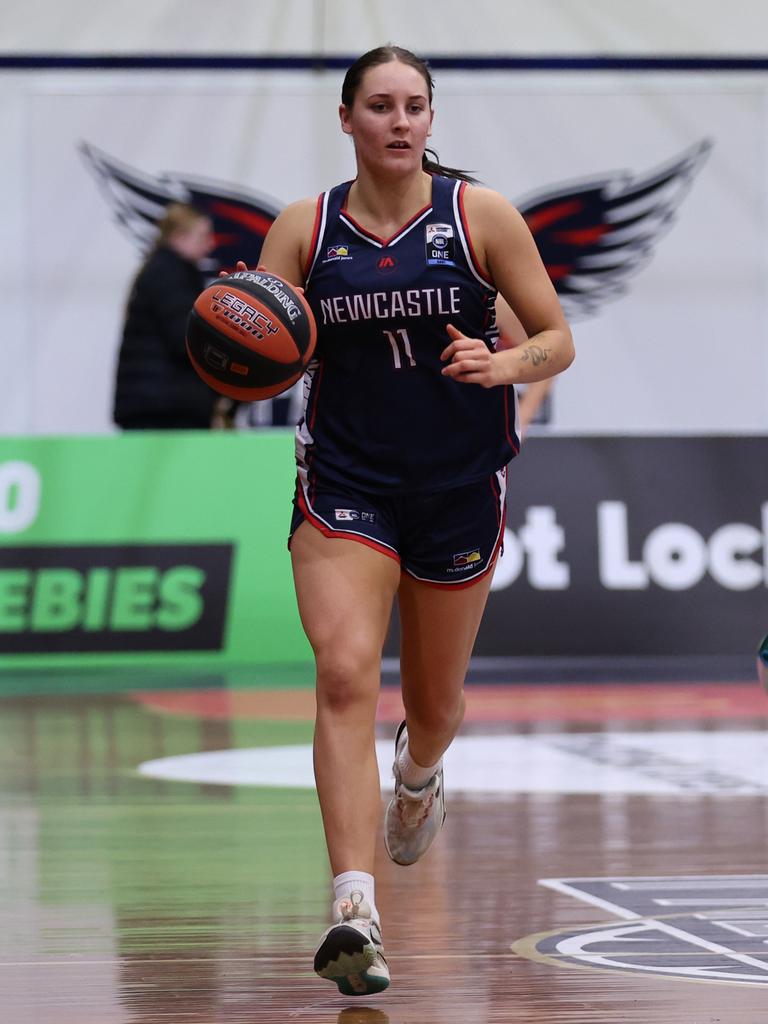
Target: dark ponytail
{"points": [[383, 55], [435, 167]]}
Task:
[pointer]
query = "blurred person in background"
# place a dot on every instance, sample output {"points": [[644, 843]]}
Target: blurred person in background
{"points": [[157, 387]]}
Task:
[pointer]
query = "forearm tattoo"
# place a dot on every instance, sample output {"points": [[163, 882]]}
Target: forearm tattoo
{"points": [[536, 354]]}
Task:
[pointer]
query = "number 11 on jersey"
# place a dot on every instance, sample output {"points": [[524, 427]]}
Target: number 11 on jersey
{"points": [[401, 348]]}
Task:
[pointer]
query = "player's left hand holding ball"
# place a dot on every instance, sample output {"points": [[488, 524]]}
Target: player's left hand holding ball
{"points": [[469, 360], [239, 268]]}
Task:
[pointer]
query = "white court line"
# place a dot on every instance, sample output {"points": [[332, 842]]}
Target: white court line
{"points": [[560, 885]]}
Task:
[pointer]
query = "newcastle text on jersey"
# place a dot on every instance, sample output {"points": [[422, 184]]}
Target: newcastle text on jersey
{"points": [[415, 302]]}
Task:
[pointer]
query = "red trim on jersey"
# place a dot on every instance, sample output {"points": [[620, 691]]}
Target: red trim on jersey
{"points": [[465, 226], [315, 236], [515, 446], [375, 238], [326, 531]]}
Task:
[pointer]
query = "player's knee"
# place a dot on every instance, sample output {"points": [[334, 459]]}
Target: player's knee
{"points": [[443, 718], [346, 681]]}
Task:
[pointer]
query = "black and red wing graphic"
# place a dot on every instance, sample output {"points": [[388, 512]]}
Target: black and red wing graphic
{"points": [[594, 235], [240, 218]]}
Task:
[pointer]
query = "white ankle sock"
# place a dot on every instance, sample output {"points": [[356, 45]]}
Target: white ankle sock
{"points": [[356, 881], [413, 775]]}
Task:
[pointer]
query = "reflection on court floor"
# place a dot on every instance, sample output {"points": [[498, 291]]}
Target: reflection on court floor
{"points": [[724, 763], [162, 859]]}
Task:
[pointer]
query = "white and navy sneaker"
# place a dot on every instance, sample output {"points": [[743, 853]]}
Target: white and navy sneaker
{"points": [[414, 816], [350, 951]]}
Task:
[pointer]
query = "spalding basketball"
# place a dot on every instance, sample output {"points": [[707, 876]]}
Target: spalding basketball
{"points": [[250, 335]]}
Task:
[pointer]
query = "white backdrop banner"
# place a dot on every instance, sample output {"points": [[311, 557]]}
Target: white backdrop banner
{"points": [[648, 194], [352, 26]]}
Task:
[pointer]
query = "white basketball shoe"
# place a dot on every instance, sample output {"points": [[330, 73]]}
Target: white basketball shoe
{"points": [[414, 816]]}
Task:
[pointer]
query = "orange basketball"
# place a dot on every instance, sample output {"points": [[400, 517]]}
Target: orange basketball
{"points": [[250, 335]]}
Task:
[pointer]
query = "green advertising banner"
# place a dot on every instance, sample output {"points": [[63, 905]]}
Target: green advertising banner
{"points": [[147, 547]]}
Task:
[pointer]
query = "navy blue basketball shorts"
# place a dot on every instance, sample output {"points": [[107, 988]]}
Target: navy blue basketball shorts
{"points": [[448, 538]]}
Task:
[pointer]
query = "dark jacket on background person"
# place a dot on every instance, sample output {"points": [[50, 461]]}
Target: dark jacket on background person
{"points": [[157, 387]]}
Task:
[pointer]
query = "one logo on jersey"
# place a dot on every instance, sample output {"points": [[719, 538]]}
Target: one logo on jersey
{"points": [[336, 252], [467, 557], [386, 264], [439, 243]]}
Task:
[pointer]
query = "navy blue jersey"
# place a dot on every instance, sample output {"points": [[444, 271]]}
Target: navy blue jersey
{"points": [[378, 413]]}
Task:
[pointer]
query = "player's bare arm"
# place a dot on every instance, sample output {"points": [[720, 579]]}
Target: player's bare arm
{"points": [[505, 247], [286, 247]]}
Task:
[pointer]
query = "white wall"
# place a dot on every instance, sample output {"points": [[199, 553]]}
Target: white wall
{"points": [[684, 349], [352, 26]]}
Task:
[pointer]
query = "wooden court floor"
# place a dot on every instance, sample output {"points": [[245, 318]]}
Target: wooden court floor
{"points": [[603, 860]]}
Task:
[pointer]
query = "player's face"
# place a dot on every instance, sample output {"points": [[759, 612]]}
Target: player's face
{"points": [[390, 119]]}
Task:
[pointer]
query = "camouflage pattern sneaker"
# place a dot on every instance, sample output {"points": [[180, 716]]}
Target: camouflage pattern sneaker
{"points": [[350, 951]]}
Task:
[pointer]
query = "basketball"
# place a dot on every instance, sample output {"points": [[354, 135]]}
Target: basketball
{"points": [[250, 335]]}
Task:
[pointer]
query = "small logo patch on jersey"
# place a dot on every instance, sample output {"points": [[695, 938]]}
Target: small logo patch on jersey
{"points": [[439, 245], [467, 557], [349, 514], [337, 252], [386, 264]]}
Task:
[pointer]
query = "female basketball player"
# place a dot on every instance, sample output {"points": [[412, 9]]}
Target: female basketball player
{"points": [[402, 451]]}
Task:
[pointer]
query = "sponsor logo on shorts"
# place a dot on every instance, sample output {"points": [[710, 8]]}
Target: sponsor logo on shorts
{"points": [[348, 514], [337, 252], [465, 560], [467, 557]]}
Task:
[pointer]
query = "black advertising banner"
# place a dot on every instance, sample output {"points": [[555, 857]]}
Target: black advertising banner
{"points": [[114, 597], [637, 546], [624, 546]]}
